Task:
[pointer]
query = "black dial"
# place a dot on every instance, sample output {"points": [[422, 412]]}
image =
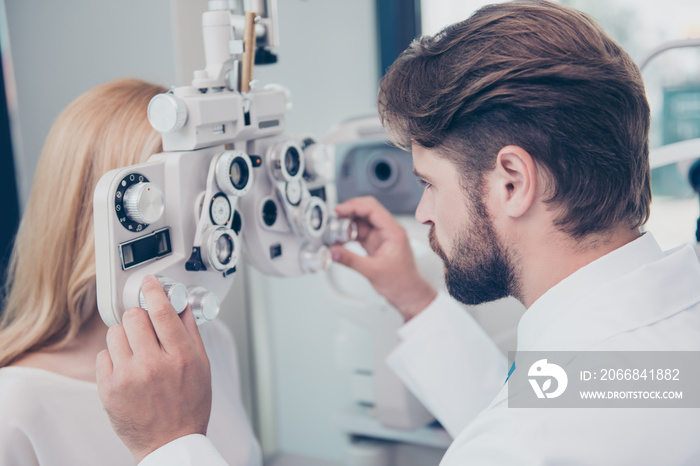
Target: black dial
{"points": [[124, 184]]}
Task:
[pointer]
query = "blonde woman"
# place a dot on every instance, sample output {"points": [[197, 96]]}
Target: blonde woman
{"points": [[50, 329]]}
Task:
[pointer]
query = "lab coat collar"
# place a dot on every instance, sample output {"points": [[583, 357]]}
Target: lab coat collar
{"points": [[634, 285]]}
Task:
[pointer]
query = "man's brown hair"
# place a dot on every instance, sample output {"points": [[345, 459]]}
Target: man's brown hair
{"points": [[537, 75]]}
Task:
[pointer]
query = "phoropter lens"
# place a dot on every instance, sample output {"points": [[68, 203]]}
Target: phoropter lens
{"points": [[382, 171], [316, 218], [292, 161], [239, 173], [224, 249]]}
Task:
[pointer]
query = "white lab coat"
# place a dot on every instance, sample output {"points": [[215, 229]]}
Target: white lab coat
{"points": [[635, 298]]}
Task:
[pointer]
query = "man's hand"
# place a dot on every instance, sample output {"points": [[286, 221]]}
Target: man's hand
{"points": [[154, 378], [389, 265]]}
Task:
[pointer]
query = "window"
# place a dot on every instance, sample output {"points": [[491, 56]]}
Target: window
{"points": [[672, 81]]}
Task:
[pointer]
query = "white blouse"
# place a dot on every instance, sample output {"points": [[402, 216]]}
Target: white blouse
{"points": [[50, 419]]}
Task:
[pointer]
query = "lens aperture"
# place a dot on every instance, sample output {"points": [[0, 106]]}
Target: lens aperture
{"points": [[316, 218], [382, 171], [224, 249], [239, 173], [292, 161]]}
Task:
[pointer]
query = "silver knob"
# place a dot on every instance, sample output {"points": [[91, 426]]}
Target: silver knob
{"points": [[175, 291], [319, 161], [314, 258], [143, 203], [167, 113], [339, 231], [204, 304]]}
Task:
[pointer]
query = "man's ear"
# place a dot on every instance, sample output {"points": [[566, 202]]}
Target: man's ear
{"points": [[515, 181]]}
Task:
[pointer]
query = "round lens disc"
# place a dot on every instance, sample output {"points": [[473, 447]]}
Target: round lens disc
{"points": [[316, 218], [224, 249], [292, 161]]}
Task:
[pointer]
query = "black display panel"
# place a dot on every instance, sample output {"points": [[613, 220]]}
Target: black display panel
{"points": [[146, 248], [275, 250]]}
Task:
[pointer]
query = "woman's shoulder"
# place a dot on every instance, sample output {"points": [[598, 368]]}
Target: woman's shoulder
{"points": [[24, 391], [16, 380], [18, 394], [42, 413]]}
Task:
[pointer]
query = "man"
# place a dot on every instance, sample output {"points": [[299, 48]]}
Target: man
{"points": [[529, 128]]}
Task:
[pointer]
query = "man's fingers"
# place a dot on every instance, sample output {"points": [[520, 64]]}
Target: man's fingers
{"points": [[191, 327], [167, 324], [350, 259], [369, 208], [118, 345], [139, 330], [364, 230]]}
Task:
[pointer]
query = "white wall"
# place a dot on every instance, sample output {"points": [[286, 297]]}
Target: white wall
{"points": [[62, 48], [327, 58]]}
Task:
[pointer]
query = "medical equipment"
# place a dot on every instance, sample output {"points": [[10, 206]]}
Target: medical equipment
{"points": [[368, 165], [334, 396], [227, 166]]}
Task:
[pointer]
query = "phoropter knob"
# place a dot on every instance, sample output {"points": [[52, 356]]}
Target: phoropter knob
{"points": [[175, 291], [340, 231], [314, 258], [143, 203], [167, 113], [204, 304]]}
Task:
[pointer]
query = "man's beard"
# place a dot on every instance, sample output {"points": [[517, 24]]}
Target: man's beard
{"points": [[481, 270]]}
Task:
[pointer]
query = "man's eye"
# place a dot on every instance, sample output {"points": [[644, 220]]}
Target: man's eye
{"points": [[424, 183]]}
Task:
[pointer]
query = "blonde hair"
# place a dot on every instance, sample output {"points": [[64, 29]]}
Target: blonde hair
{"points": [[50, 288]]}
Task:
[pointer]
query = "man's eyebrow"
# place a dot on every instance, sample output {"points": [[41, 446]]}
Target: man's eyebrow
{"points": [[422, 176]]}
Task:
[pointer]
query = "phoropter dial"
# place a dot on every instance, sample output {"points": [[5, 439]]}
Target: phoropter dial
{"points": [[314, 258], [287, 161], [137, 202], [311, 217], [220, 209], [293, 192], [220, 248], [234, 172]]}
